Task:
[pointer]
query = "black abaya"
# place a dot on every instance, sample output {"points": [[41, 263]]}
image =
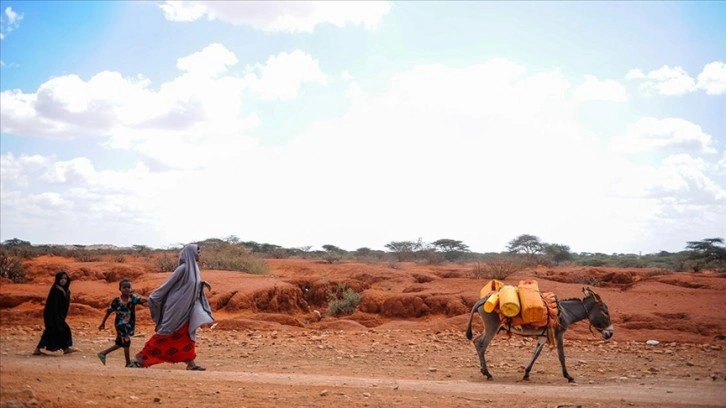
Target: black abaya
{"points": [[57, 333]]}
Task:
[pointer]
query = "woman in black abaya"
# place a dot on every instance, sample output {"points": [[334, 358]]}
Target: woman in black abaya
{"points": [[57, 333]]}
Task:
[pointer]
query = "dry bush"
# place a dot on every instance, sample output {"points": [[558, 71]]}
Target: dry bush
{"points": [[332, 257], [230, 257], [656, 272], [166, 263], [498, 269], [429, 257], [84, 255], [11, 268]]}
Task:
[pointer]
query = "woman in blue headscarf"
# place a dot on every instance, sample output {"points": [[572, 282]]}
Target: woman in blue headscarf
{"points": [[178, 307], [57, 333]]}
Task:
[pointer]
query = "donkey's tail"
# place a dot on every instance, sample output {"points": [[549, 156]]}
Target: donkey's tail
{"points": [[476, 307]]}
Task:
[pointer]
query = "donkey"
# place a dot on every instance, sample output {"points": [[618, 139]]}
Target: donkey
{"points": [[573, 310]]}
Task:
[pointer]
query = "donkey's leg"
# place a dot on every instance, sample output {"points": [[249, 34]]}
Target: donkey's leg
{"points": [[538, 349], [481, 348], [561, 354], [491, 325]]}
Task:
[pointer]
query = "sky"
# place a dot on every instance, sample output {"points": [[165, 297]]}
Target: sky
{"points": [[597, 125]]}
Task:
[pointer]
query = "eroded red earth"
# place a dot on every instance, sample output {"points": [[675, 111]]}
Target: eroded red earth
{"points": [[403, 346]]}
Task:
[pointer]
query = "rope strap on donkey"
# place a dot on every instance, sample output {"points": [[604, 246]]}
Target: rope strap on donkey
{"points": [[553, 316]]}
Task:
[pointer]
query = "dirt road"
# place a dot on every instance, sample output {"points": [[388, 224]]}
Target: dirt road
{"points": [[363, 369]]}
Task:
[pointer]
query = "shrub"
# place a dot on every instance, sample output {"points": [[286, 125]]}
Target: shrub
{"points": [[332, 257], [11, 268], [343, 301], [84, 255], [231, 257], [495, 269], [166, 263]]}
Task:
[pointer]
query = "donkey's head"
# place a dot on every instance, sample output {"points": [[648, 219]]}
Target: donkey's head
{"points": [[597, 313]]}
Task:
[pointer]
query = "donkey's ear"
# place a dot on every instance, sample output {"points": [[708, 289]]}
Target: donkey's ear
{"points": [[589, 292]]}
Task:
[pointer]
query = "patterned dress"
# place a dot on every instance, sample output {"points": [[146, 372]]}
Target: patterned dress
{"points": [[125, 318]]}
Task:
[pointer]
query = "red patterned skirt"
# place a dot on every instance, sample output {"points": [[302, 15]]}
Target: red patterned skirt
{"points": [[177, 347]]}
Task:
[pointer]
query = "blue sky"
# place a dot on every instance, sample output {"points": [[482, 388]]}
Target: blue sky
{"points": [[597, 125]]}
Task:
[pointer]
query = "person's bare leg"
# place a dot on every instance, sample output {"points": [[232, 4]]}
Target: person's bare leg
{"points": [[127, 354], [110, 349], [102, 355]]}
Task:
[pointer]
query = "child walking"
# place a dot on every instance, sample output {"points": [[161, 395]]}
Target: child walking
{"points": [[125, 308]]}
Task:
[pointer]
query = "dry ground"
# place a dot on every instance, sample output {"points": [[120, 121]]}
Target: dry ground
{"points": [[404, 346]]}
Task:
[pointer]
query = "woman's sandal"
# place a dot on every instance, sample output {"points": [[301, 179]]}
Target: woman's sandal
{"points": [[37, 353], [69, 350], [196, 368]]}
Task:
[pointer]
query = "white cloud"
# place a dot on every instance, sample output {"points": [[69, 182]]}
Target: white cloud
{"points": [[276, 16], [355, 91], [679, 178], [210, 62], [15, 171], [75, 171], [283, 74], [664, 80], [713, 78], [721, 165], [650, 134], [68, 107], [204, 103], [9, 22], [675, 81], [594, 89], [183, 11], [635, 73]]}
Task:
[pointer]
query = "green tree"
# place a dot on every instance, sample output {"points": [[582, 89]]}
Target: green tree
{"points": [[333, 248], [402, 249], [333, 253], [232, 239], [451, 248], [527, 244], [708, 253], [558, 252], [15, 242]]}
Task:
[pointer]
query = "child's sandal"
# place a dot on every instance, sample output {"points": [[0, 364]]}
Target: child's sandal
{"points": [[102, 357]]}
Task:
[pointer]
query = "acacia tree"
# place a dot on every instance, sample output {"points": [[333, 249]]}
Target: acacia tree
{"points": [[526, 244], [333, 253], [402, 249], [709, 252], [451, 248]]}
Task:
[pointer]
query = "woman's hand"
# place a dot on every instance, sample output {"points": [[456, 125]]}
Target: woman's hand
{"points": [[205, 283]]}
